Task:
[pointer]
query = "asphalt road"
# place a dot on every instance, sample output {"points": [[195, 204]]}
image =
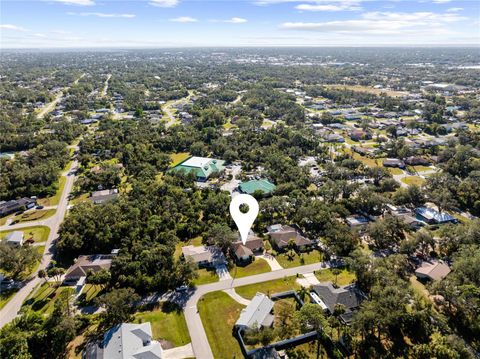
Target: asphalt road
{"points": [[201, 347], [10, 310]]}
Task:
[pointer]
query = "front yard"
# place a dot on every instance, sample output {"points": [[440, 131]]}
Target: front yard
{"points": [[258, 266], [299, 259], [219, 313], [37, 233], [270, 287]]}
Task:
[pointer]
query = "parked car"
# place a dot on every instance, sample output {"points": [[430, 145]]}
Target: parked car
{"points": [[40, 207]]}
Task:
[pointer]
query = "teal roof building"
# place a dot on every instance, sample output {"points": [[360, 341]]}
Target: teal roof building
{"points": [[202, 167], [262, 185]]}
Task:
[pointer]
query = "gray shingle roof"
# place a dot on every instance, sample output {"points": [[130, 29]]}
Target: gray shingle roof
{"points": [[257, 313]]}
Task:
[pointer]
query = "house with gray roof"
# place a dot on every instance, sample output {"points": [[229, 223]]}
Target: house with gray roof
{"points": [[328, 296], [432, 270], [126, 341], [281, 235], [14, 238], [204, 256], [257, 314]]}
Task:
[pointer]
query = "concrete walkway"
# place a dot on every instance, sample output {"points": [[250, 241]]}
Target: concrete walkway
{"points": [[308, 280], [185, 351], [239, 299], [271, 260]]}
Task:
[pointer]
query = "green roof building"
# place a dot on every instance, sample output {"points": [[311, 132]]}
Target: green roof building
{"points": [[262, 185], [202, 167]]}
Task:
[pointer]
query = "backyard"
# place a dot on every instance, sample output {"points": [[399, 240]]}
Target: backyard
{"points": [[344, 277]]}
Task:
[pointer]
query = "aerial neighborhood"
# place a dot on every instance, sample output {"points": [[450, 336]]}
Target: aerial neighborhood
{"points": [[119, 167]]}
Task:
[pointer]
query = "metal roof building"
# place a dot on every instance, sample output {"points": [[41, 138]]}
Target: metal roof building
{"points": [[257, 314]]}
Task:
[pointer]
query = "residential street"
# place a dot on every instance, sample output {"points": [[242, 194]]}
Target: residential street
{"points": [[200, 344], [10, 310]]}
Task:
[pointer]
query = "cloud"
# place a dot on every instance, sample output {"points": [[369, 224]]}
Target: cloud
{"points": [[382, 23], [236, 20], [11, 27], [101, 14], [313, 2], [455, 9], [184, 19], [164, 3], [77, 2], [347, 6], [441, 1]]}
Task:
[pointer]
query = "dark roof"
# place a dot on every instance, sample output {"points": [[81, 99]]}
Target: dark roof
{"points": [[350, 296]]}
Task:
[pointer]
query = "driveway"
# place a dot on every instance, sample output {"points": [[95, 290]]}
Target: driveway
{"points": [[185, 351], [271, 260], [222, 272], [201, 347]]}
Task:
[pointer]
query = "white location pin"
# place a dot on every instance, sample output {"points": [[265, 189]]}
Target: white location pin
{"points": [[244, 221]]}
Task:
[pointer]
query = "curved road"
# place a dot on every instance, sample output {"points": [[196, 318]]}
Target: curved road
{"points": [[200, 344], [10, 310]]}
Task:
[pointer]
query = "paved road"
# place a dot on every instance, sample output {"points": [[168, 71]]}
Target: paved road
{"points": [[201, 347], [169, 111], [10, 310]]}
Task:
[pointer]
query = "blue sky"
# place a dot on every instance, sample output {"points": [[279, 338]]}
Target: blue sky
{"points": [[172, 23]]}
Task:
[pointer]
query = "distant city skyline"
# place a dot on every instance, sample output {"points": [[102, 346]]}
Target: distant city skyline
{"points": [[177, 23]]}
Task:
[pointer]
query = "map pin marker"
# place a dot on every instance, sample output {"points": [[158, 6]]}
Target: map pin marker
{"points": [[244, 221]]}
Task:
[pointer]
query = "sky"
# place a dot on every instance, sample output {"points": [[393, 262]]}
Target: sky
{"points": [[232, 23]]}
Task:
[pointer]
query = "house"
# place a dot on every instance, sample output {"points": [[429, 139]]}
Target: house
{"points": [[334, 137], [328, 296], [357, 221], [393, 162], [264, 186], [126, 341], [364, 151], [16, 205], [245, 252], [204, 256], [432, 270], [411, 221], [417, 161], [358, 135], [202, 167], [431, 216], [88, 263], [257, 314], [14, 238], [99, 197], [281, 235]]}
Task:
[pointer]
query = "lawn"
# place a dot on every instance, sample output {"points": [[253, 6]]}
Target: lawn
{"points": [[34, 215], [299, 259], [219, 313], [43, 299], [178, 158], [395, 171], [413, 180], [270, 287], [80, 198], [205, 276], [369, 162], [258, 266], [52, 201], [168, 323], [5, 296], [3, 220], [421, 168], [38, 233], [344, 277], [89, 293]]}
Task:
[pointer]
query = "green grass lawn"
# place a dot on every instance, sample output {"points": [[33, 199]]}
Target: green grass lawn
{"points": [[38, 233], [258, 266], [52, 201], [43, 299], [5, 296], [421, 168], [299, 259], [219, 313], [168, 323], [80, 198], [344, 277], [205, 276], [270, 287], [369, 162], [178, 158], [395, 171], [413, 180], [89, 293], [34, 216], [3, 220]]}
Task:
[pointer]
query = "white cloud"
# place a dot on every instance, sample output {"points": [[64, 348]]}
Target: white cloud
{"points": [[383, 23], [441, 1], [347, 6], [455, 9], [11, 27], [184, 19], [314, 2], [236, 20], [101, 14], [164, 3], [77, 2]]}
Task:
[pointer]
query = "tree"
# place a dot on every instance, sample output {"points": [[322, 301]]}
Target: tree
{"points": [[102, 278], [223, 237], [16, 260], [118, 304], [312, 318], [56, 272], [42, 273], [387, 232]]}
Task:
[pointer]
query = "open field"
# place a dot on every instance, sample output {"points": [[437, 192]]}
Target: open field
{"points": [[270, 287], [413, 180], [299, 259], [178, 158], [168, 323], [219, 313], [258, 266], [367, 89]]}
